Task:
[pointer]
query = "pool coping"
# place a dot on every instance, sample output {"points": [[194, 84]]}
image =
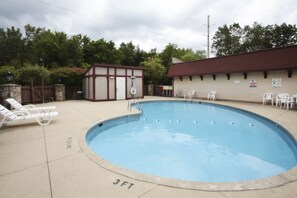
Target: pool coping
{"points": [[266, 183]]}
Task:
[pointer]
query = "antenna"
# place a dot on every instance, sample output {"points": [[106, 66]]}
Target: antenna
{"points": [[208, 41], [207, 36]]}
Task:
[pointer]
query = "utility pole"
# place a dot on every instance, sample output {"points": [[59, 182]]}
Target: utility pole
{"points": [[207, 36]]}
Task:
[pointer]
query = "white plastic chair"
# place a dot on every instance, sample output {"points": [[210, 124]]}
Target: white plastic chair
{"points": [[190, 95], [15, 116], [31, 108], [294, 98], [268, 97], [177, 93], [287, 102], [211, 95], [280, 97]]}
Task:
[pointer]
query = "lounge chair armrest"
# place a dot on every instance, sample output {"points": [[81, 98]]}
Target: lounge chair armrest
{"points": [[20, 113], [47, 108], [35, 109], [30, 106], [42, 109]]}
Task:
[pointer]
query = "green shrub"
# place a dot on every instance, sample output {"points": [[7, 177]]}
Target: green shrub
{"points": [[35, 73], [71, 76]]}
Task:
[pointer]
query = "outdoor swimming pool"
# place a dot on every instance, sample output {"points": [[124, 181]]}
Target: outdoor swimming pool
{"points": [[195, 142]]}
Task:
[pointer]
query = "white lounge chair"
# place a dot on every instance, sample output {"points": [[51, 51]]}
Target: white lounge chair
{"points": [[31, 108], [190, 95], [268, 97], [280, 97], [15, 116], [211, 95]]}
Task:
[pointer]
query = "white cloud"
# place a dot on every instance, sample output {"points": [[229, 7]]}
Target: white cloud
{"points": [[147, 23]]}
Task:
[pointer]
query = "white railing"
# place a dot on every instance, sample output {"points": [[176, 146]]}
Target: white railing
{"points": [[137, 105]]}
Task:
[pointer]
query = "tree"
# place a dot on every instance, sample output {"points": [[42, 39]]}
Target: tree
{"points": [[191, 56], [173, 51], [256, 37], [46, 49], [233, 39], [59, 52], [127, 54], [154, 71], [74, 51], [170, 51], [227, 40], [32, 33], [141, 56], [100, 51], [11, 47], [284, 35]]}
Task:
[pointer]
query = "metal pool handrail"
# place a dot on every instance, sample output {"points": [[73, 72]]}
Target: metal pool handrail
{"points": [[136, 103]]}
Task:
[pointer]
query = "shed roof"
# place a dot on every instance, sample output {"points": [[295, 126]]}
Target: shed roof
{"points": [[114, 66], [284, 58]]}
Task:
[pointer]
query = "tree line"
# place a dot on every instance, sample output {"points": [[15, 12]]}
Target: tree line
{"points": [[234, 39], [52, 50], [40, 46]]}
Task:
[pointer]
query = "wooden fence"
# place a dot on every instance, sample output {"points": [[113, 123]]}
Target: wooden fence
{"points": [[37, 94], [41, 94], [73, 92], [158, 91]]}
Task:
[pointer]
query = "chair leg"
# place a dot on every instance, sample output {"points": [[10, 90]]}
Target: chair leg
{"points": [[2, 122], [43, 122]]}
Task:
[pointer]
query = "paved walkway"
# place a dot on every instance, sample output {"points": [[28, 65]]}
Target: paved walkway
{"points": [[49, 162]]}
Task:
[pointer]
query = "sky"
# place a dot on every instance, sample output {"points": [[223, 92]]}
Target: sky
{"points": [[148, 24]]}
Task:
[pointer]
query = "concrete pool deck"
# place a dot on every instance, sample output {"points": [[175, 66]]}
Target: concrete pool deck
{"points": [[49, 161]]}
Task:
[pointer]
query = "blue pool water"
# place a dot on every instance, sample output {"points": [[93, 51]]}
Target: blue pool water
{"points": [[195, 141]]}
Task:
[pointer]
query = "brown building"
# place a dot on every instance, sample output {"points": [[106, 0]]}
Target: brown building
{"points": [[112, 82], [242, 77]]}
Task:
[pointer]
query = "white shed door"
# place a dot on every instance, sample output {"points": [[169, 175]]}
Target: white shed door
{"points": [[121, 88]]}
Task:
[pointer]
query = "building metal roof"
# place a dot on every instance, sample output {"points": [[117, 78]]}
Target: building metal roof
{"points": [[284, 58]]}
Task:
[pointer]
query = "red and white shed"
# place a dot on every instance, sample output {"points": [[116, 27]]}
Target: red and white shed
{"points": [[104, 82]]}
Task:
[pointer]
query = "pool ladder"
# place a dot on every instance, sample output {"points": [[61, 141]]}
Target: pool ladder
{"points": [[136, 103]]}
